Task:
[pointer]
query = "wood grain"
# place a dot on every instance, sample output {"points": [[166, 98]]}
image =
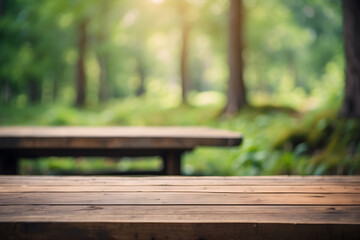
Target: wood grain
{"points": [[269, 207], [314, 189], [173, 198], [182, 214], [182, 181]]}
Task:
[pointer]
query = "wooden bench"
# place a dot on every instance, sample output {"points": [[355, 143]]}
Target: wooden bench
{"points": [[48, 207], [168, 142]]}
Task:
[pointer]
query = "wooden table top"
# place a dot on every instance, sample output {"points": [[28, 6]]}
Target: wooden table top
{"points": [[158, 207], [181, 199], [116, 137]]}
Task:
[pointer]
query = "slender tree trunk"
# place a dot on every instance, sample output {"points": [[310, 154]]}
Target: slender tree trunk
{"points": [[55, 89], [103, 94], [5, 88], [351, 103], [2, 7], [5, 91], [142, 75], [101, 52], [80, 66], [184, 61], [34, 91], [236, 94], [183, 7]]}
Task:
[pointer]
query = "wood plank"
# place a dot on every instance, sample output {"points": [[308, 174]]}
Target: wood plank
{"points": [[181, 214], [331, 178], [173, 198], [215, 189], [115, 137], [182, 181], [270, 177], [115, 131], [279, 207], [163, 231]]}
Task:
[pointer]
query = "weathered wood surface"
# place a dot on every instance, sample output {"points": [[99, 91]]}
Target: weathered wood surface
{"points": [[167, 142], [115, 137], [283, 207]]}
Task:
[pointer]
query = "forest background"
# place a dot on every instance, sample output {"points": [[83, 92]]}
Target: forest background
{"points": [[166, 62]]}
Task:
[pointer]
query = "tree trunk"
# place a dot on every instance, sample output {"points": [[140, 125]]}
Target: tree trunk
{"points": [[5, 91], [236, 94], [101, 58], [351, 103], [2, 7], [103, 94], [34, 91], [80, 66], [141, 71], [101, 52], [184, 61], [55, 89]]}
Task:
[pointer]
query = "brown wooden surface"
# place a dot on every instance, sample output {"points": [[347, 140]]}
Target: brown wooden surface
{"points": [[184, 231], [167, 142], [274, 207], [115, 137]]}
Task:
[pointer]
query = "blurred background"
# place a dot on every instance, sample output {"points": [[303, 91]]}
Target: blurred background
{"points": [[171, 62]]}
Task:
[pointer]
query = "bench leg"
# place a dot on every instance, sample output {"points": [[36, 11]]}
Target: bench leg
{"points": [[172, 162], [8, 165]]}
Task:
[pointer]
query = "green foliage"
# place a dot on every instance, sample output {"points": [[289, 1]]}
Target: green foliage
{"points": [[296, 48], [53, 166], [277, 140], [293, 58], [331, 143]]}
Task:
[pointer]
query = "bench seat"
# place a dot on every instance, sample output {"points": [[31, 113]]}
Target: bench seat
{"points": [[167, 142]]}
